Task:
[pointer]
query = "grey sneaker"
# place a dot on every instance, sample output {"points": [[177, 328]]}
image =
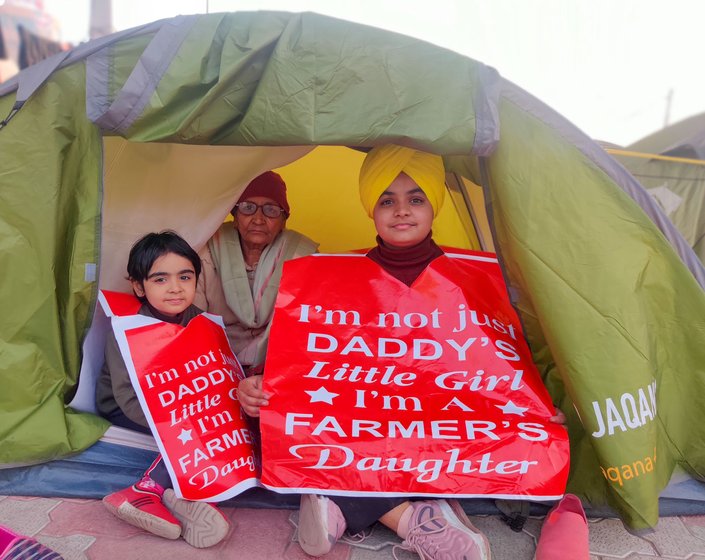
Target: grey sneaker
{"points": [[321, 524], [202, 524], [437, 532]]}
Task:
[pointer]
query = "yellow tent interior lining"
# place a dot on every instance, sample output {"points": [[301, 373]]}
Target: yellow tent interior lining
{"points": [[191, 189]]}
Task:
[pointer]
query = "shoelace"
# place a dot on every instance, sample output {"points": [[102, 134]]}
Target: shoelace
{"points": [[357, 538], [415, 533]]}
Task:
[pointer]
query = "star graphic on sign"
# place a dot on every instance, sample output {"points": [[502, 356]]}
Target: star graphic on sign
{"points": [[184, 436], [322, 395], [511, 408]]}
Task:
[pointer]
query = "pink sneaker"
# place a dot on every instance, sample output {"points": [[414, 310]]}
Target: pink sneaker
{"points": [[321, 524], [437, 532], [14, 546], [564, 533], [141, 505], [202, 524]]}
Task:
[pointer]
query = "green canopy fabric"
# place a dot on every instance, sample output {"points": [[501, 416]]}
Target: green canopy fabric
{"points": [[610, 294]]}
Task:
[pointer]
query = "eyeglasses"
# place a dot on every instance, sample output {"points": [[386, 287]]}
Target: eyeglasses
{"points": [[269, 210]]}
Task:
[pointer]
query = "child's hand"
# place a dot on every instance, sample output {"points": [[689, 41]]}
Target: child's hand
{"points": [[559, 417], [251, 396]]}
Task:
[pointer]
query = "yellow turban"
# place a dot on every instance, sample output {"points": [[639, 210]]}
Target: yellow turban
{"points": [[383, 164]]}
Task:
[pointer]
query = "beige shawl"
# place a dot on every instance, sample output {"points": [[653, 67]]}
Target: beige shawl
{"points": [[251, 310]]}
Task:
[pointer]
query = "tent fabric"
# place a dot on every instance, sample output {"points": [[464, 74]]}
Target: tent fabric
{"points": [[292, 86], [28, 81], [609, 293], [141, 84], [625, 181], [50, 200], [685, 138], [572, 296], [670, 164], [678, 186]]}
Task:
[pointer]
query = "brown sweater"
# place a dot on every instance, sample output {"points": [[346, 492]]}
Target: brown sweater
{"points": [[408, 263]]}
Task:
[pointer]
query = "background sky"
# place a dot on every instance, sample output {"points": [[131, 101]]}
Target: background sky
{"points": [[609, 66]]}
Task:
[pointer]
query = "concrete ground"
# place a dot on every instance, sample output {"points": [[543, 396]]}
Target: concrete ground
{"points": [[83, 529]]}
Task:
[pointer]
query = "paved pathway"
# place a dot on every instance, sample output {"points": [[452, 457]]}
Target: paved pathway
{"points": [[85, 530]]}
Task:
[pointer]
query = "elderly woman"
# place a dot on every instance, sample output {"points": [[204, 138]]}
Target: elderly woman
{"points": [[242, 267]]}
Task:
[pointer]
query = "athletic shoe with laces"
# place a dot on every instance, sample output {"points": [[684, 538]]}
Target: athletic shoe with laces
{"points": [[141, 505], [437, 532], [202, 524], [321, 524]]}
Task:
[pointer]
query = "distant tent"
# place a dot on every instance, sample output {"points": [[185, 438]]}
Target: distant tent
{"points": [[162, 126], [685, 139], [670, 164]]}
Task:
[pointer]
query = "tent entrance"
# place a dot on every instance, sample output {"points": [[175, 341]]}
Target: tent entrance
{"points": [[155, 186]]}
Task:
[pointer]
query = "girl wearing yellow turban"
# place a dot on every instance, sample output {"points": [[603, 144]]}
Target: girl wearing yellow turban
{"points": [[402, 190], [383, 165]]}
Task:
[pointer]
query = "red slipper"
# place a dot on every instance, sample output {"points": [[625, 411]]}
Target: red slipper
{"points": [[565, 532]]}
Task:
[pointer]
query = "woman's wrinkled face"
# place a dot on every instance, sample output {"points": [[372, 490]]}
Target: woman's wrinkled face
{"points": [[257, 230], [403, 215]]}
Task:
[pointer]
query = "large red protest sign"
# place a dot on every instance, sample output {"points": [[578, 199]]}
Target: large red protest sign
{"points": [[387, 389], [186, 380]]}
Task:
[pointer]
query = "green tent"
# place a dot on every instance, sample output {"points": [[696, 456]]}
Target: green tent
{"points": [[670, 164], [162, 126]]}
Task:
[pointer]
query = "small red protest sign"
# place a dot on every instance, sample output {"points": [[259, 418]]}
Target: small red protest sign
{"points": [[118, 304], [186, 380], [380, 388]]}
